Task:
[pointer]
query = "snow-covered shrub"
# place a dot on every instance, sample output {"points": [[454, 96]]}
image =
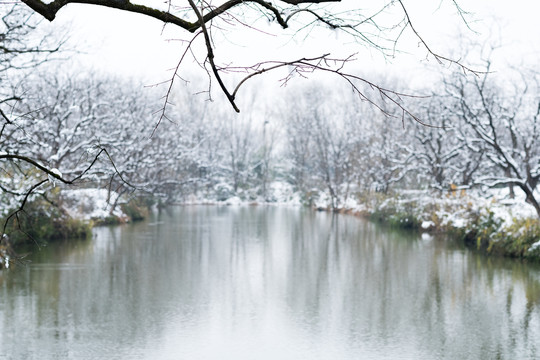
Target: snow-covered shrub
{"points": [[223, 191], [43, 222]]}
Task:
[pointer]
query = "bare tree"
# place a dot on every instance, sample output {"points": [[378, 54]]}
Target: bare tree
{"points": [[325, 138], [371, 27], [445, 153], [19, 46], [505, 118]]}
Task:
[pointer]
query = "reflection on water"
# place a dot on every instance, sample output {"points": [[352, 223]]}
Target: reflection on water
{"points": [[266, 283]]}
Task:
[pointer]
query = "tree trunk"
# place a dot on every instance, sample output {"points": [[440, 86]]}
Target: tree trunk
{"points": [[531, 199]]}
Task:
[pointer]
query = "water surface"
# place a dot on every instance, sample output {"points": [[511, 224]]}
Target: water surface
{"points": [[206, 282]]}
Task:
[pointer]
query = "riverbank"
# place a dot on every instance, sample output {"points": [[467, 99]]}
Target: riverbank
{"points": [[67, 214], [490, 221]]}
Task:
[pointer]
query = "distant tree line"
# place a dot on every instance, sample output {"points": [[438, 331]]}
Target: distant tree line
{"points": [[477, 131]]}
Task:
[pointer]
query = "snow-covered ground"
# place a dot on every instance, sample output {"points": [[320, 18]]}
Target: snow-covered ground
{"points": [[277, 193]]}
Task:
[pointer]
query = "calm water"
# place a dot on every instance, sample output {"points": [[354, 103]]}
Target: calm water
{"points": [[266, 283]]}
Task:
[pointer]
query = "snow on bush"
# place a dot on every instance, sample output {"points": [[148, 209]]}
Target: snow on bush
{"points": [[90, 204]]}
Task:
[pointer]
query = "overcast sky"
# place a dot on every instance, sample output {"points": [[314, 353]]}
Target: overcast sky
{"points": [[132, 44]]}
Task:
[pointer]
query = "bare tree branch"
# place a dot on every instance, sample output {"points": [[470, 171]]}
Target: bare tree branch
{"points": [[437, 57], [205, 12], [297, 2], [210, 53], [322, 63], [171, 83], [48, 11], [21, 206]]}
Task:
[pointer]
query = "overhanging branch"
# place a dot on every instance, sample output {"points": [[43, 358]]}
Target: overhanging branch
{"points": [[298, 2], [48, 11]]}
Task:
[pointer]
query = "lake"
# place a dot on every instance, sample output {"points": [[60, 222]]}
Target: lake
{"points": [[240, 282]]}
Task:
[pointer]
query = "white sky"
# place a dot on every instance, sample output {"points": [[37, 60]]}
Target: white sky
{"points": [[132, 44]]}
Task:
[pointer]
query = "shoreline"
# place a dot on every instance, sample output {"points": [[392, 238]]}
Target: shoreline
{"points": [[491, 224]]}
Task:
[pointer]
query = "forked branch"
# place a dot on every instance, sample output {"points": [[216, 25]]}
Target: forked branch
{"points": [[199, 15], [325, 63]]}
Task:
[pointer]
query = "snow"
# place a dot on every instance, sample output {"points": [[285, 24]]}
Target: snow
{"points": [[426, 237], [278, 192], [87, 204], [284, 193], [235, 200], [352, 204], [52, 179], [436, 210], [322, 201], [459, 223], [534, 246]]}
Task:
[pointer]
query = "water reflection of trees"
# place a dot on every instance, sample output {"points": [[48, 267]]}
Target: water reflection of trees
{"points": [[240, 269], [397, 290]]}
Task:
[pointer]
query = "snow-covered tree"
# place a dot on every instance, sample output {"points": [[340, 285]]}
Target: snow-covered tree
{"points": [[504, 116], [443, 152], [24, 46], [326, 142]]}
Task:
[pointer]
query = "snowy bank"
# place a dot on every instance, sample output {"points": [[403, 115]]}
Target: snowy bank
{"points": [[91, 204], [277, 192], [489, 220]]}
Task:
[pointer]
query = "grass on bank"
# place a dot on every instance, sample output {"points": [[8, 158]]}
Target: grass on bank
{"points": [[489, 225], [43, 221]]}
